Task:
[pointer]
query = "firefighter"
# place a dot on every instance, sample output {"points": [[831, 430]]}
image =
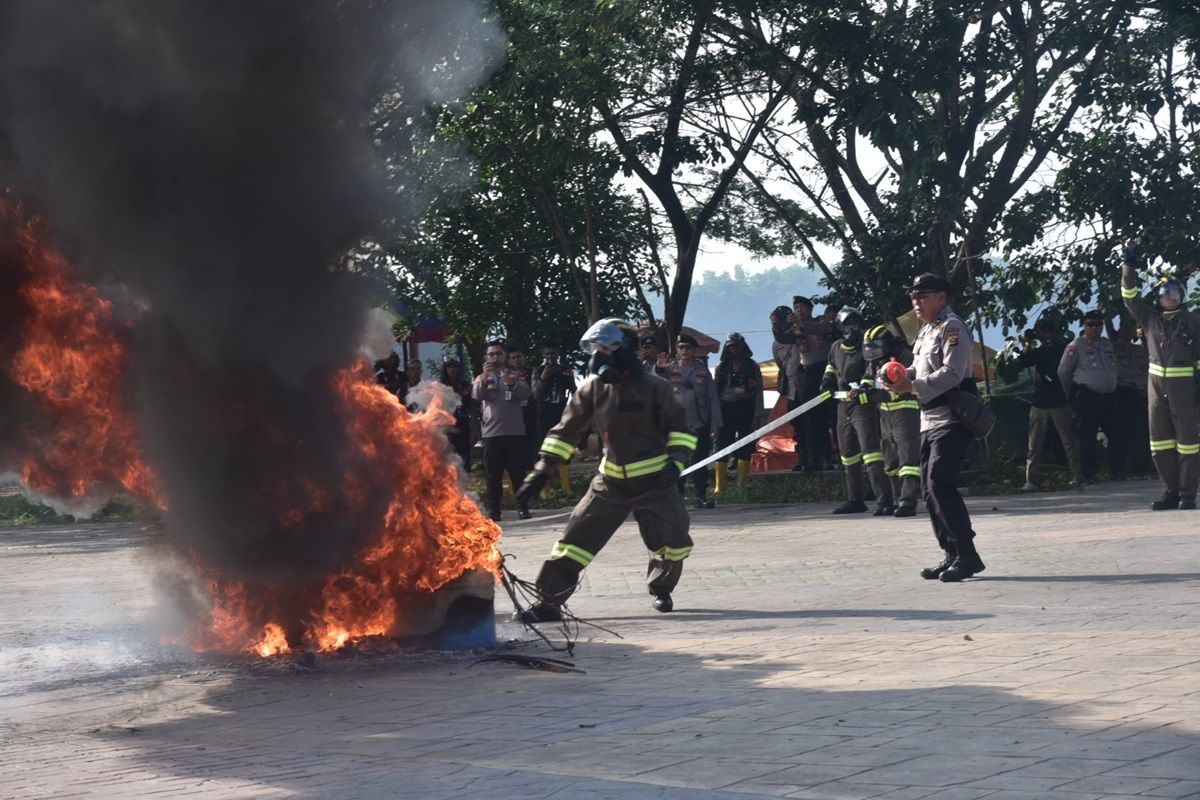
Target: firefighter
{"points": [[646, 444], [1173, 341], [857, 418], [899, 419]]}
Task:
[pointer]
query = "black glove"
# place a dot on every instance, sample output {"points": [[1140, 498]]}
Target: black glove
{"points": [[1130, 253], [670, 473], [828, 385], [532, 485]]}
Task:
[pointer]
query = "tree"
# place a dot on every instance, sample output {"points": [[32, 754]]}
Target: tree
{"points": [[911, 126]]}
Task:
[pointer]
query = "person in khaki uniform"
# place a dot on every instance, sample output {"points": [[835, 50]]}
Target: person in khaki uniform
{"points": [[1173, 342], [857, 419], [941, 367], [1049, 404], [1088, 374], [646, 444], [899, 419]]}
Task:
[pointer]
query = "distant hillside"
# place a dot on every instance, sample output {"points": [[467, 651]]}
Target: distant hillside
{"points": [[721, 303]]}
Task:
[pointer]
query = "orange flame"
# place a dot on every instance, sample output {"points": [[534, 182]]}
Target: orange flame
{"points": [[71, 363]]}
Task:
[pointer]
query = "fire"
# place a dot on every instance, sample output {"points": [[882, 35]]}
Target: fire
{"points": [[76, 432], [417, 529]]}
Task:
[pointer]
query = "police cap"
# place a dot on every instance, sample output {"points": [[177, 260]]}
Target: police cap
{"points": [[928, 282]]}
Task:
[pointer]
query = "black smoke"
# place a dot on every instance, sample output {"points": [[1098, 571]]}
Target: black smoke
{"points": [[215, 161]]}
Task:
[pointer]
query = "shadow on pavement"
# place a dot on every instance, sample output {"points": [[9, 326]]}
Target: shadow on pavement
{"points": [[1151, 577], [939, 615], [640, 724]]}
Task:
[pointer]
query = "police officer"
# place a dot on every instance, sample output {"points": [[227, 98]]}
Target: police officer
{"points": [[899, 419], [696, 391], [646, 444], [739, 387], [1173, 341], [857, 418], [1088, 374], [941, 365], [804, 343]]}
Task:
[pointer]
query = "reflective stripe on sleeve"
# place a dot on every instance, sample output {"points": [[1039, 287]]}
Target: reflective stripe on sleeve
{"points": [[1128, 294], [1172, 372], [680, 439], [558, 447]]}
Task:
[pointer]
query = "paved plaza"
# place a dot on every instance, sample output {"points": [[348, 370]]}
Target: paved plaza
{"points": [[807, 660]]}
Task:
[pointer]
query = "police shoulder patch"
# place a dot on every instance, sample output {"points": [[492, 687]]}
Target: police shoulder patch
{"points": [[952, 339], [1071, 351]]}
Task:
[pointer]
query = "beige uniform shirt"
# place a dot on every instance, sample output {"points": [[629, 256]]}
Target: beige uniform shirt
{"points": [[1089, 364], [941, 362]]}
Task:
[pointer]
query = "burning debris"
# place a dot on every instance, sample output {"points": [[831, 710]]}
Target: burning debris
{"points": [[226, 169]]}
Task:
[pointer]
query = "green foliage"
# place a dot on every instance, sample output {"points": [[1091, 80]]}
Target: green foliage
{"points": [[16, 510]]}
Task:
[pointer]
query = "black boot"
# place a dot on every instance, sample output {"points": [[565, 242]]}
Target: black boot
{"points": [[662, 602], [905, 511], [932, 573], [963, 567], [523, 512], [1187, 504], [1166, 502], [851, 507], [884, 510]]}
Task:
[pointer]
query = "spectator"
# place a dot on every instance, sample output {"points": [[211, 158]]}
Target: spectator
{"points": [[1088, 374], [1133, 370], [648, 352], [694, 389], [500, 390], [516, 361], [808, 340], [412, 376], [552, 386], [460, 434], [388, 374], [739, 387], [1043, 352]]}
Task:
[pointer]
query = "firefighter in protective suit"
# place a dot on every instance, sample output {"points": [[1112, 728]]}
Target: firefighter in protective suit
{"points": [[857, 418], [899, 419], [646, 445], [1173, 341]]}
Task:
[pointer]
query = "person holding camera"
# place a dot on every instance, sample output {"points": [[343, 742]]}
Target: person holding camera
{"points": [[500, 390], [1173, 343], [1043, 352], [1088, 374], [941, 366], [553, 384], [802, 348]]}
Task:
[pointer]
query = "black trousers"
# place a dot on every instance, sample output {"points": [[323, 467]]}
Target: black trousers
{"points": [[700, 476], [532, 442], [811, 430], [738, 417], [943, 451], [1133, 407], [1095, 412], [502, 454]]}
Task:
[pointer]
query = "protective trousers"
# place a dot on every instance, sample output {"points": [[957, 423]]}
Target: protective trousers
{"points": [[662, 521], [859, 445], [1099, 411], [1174, 444], [1040, 420], [901, 430], [1133, 408], [942, 453]]}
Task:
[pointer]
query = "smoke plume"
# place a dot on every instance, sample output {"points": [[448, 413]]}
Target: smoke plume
{"points": [[212, 162]]}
